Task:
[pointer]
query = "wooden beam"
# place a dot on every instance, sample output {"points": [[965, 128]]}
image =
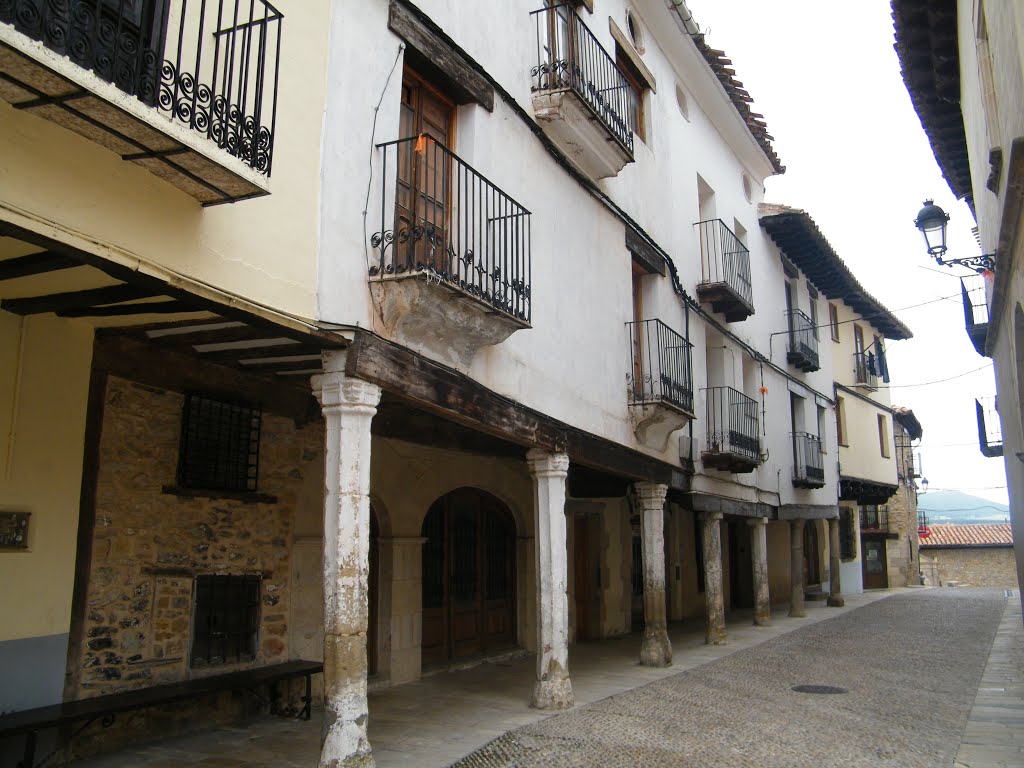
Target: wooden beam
{"points": [[146, 363], [437, 54], [63, 302], [644, 253], [169, 307], [448, 393], [36, 264]]}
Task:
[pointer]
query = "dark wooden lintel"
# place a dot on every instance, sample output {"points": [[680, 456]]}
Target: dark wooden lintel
{"points": [[62, 302], [169, 307], [35, 264], [644, 253]]}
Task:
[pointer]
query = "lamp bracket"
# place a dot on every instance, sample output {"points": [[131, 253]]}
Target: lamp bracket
{"points": [[983, 263]]}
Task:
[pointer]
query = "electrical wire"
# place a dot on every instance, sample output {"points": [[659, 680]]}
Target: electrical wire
{"points": [[937, 381]]}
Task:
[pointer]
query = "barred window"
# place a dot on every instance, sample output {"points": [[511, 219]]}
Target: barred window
{"points": [[847, 535], [226, 619], [220, 444]]}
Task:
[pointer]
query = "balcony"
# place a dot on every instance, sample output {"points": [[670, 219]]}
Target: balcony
{"points": [[802, 351], [186, 89], [580, 97], [975, 310], [874, 518], [808, 461], [990, 429], [452, 266], [865, 370], [732, 443], [660, 382], [725, 271]]}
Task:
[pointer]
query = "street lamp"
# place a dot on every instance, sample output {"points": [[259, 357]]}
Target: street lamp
{"points": [[932, 220], [924, 485]]}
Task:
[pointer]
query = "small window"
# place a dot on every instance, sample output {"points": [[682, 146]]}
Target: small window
{"points": [[226, 619], [748, 188], [821, 429], [833, 321], [883, 436], [637, 87], [220, 444], [636, 34], [841, 421], [683, 103], [812, 296], [847, 534]]}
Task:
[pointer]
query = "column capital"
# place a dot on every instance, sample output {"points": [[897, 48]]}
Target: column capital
{"points": [[710, 517], [546, 463], [757, 522], [651, 495], [333, 389]]}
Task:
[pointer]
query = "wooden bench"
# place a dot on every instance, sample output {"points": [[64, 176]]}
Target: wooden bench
{"points": [[105, 708]]}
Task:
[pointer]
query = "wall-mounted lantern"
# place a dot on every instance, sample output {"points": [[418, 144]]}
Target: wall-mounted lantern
{"points": [[932, 220]]}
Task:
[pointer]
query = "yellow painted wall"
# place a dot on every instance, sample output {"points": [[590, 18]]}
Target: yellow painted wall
{"points": [[264, 249], [41, 452]]}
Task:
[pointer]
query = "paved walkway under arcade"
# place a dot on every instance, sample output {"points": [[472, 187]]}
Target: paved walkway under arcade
{"points": [[446, 716]]}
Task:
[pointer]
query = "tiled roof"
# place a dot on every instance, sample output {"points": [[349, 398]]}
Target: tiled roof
{"points": [[926, 43], [741, 100], [973, 535], [796, 234]]}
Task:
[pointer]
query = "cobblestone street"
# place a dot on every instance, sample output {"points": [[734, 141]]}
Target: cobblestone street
{"points": [[912, 665]]}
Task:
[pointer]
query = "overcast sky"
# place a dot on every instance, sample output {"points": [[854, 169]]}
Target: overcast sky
{"points": [[827, 80]]}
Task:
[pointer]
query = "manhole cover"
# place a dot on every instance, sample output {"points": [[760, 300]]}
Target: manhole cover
{"points": [[818, 689]]}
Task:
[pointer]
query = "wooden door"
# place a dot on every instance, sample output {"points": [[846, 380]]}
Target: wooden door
{"points": [[741, 569], [812, 574], [640, 385], [584, 579], [464, 593], [876, 574], [423, 192], [637, 579]]}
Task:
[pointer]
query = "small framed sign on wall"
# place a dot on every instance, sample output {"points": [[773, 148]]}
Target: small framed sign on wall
{"points": [[13, 531]]}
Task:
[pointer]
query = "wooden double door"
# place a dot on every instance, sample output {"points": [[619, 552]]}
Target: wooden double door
{"points": [[468, 576]]}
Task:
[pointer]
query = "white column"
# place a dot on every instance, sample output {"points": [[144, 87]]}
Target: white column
{"points": [[759, 556], [835, 591], [348, 407], [796, 568], [553, 689], [714, 593], [656, 650]]}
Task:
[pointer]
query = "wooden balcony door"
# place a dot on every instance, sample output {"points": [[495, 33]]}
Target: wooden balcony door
{"points": [[424, 189], [468, 576]]}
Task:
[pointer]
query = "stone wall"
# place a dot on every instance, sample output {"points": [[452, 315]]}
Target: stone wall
{"points": [[974, 567], [149, 545]]}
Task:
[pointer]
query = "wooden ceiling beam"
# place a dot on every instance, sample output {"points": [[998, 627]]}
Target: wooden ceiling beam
{"points": [[63, 302], [36, 264]]}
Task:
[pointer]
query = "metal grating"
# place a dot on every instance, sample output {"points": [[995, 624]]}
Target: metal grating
{"points": [[220, 444], [227, 614], [819, 689]]}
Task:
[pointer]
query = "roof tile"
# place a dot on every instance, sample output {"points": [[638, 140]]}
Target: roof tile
{"points": [[972, 535]]}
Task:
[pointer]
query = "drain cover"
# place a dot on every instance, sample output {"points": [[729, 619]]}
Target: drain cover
{"points": [[818, 689]]}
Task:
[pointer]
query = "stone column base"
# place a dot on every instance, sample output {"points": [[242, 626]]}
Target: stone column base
{"points": [[656, 650], [554, 691], [716, 636], [762, 619], [835, 601]]}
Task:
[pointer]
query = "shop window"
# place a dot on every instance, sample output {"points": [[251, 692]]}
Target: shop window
{"points": [[226, 619], [220, 445]]}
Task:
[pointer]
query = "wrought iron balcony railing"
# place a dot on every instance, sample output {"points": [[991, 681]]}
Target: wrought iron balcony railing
{"points": [[874, 518], [441, 217], [209, 65], [802, 350], [660, 366], [732, 430], [808, 461], [725, 270], [865, 369], [569, 56], [990, 429], [975, 310]]}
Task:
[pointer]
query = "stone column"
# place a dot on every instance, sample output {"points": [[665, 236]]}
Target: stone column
{"points": [[553, 689], [759, 556], [835, 592], [406, 558], [713, 592], [796, 568], [348, 406], [656, 650]]}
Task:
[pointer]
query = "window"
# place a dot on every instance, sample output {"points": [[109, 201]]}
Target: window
{"points": [[636, 84], [683, 104], [812, 295], [847, 534], [833, 321], [220, 445], [821, 428], [883, 436], [226, 619], [841, 421]]}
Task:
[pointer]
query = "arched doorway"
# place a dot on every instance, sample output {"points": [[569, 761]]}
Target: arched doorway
{"points": [[468, 576], [812, 575]]}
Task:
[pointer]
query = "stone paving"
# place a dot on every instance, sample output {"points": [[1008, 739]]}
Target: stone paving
{"points": [[911, 665], [906, 655]]}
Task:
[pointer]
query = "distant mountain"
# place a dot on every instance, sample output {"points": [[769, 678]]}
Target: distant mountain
{"points": [[957, 507]]}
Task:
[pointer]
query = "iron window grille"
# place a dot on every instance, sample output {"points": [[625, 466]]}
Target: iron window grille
{"points": [[732, 423], [874, 517], [226, 620], [802, 350], [220, 445], [808, 464], [990, 428]]}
